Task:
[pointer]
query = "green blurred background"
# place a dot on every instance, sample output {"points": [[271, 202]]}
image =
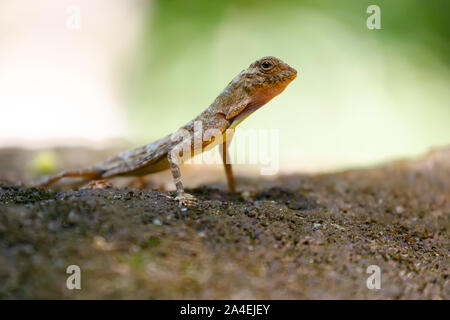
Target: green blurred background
{"points": [[362, 96]]}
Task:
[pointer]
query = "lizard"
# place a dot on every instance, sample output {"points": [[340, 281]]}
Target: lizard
{"points": [[248, 91]]}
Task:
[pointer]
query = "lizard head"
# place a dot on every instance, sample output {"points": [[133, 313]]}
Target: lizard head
{"points": [[268, 76], [262, 80]]}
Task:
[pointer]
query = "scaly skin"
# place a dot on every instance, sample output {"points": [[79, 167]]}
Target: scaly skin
{"points": [[248, 91]]}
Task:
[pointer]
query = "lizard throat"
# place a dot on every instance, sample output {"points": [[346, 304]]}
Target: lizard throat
{"points": [[260, 99], [244, 114]]}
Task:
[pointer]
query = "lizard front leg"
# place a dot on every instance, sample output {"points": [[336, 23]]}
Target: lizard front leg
{"points": [[182, 197], [227, 137]]}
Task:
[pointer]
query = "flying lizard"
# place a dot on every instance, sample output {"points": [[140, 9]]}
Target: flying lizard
{"points": [[248, 91]]}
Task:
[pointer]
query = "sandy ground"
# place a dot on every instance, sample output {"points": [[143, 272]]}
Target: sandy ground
{"points": [[292, 237]]}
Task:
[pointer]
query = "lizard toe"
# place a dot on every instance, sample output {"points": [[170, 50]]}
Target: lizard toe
{"points": [[186, 200]]}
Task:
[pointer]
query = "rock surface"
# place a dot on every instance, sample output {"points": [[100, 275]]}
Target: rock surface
{"points": [[293, 237]]}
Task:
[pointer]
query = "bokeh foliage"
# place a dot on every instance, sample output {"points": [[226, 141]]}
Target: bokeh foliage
{"points": [[362, 95]]}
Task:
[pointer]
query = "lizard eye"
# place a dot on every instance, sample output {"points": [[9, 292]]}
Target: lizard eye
{"points": [[266, 65]]}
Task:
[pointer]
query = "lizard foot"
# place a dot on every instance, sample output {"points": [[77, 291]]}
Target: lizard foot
{"points": [[186, 199]]}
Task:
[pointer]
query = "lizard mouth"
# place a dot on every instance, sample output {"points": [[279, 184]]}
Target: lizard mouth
{"points": [[282, 78], [290, 74]]}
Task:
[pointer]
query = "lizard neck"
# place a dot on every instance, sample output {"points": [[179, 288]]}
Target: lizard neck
{"points": [[233, 99], [234, 96]]}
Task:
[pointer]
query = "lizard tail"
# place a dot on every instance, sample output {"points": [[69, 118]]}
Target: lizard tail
{"points": [[87, 174]]}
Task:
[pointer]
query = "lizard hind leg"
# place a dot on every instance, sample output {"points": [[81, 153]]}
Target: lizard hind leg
{"points": [[226, 159], [87, 174]]}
